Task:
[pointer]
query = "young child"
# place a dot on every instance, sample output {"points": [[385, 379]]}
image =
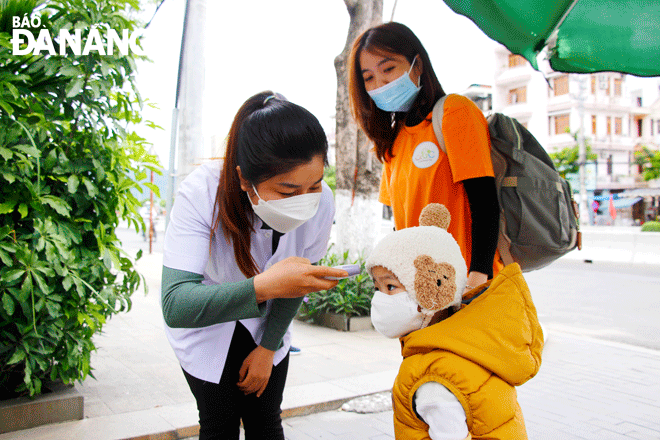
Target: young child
{"points": [[463, 355]]}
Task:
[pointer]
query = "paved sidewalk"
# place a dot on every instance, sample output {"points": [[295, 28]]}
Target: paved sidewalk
{"points": [[586, 389]]}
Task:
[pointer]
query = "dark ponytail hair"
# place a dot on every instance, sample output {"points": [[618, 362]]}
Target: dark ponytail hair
{"points": [[379, 126], [269, 136]]}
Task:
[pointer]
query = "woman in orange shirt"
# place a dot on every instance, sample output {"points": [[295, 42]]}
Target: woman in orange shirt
{"points": [[392, 89]]}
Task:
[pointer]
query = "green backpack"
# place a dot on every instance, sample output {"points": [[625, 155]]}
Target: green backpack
{"points": [[538, 216]]}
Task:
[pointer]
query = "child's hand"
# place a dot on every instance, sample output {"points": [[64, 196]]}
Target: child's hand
{"points": [[255, 371], [475, 279]]}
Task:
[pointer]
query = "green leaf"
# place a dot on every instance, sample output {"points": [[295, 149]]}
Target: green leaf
{"points": [[50, 160], [8, 108], [6, 153], [23, 210], [7, 207], [153, 188], [54, 309], [74, 87], [92, 191], [107, 259], [46, 270], [59, 205], [12, 89], [17, 357], [6, 259], [105, 69], [8, 303], [12, 275], [43, 286], [28, 149], [72, 183], [10, 178], [95, 90], [27, 287], [100, 318], [71, 71]]}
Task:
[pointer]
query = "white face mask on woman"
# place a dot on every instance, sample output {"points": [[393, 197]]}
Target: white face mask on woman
{"points": [[396, 315], [285, 215]]}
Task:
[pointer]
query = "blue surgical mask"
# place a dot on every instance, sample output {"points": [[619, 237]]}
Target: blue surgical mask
{"points": [[398, 95]]}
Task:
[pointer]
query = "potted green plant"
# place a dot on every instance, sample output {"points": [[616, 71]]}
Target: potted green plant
{"points": [[651, 226], [345, 307]]}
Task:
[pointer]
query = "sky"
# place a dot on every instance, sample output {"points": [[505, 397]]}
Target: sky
{"points": [[289, 46]]}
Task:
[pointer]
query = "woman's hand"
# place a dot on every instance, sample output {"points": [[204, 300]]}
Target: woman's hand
{"points": [[255, 371], [294, 277]]}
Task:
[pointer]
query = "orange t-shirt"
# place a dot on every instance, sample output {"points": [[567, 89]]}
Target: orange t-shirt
{"points": [[419, 172]]}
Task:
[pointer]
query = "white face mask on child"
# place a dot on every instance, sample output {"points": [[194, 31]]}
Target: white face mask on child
{"points": [[395, 315]]}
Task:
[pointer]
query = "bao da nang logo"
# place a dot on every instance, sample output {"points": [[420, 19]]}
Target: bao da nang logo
{"points": [[24, 42]]}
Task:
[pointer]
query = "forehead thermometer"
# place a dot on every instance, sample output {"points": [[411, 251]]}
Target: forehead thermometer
{"points": [[352, 269]]}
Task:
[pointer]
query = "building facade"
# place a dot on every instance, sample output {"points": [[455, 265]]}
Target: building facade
{"points": [[617, 113]]}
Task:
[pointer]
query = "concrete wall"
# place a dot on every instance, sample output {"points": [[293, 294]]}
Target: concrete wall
{"points": [[618, 244]]}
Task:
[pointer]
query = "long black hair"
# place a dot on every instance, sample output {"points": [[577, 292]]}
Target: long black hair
{"points": [[269, 136]]}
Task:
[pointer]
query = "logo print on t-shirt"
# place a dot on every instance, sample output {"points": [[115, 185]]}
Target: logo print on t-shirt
{"points": [[425, 154]]}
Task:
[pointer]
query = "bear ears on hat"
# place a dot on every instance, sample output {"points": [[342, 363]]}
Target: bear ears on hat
{"points": [[435, 214]]}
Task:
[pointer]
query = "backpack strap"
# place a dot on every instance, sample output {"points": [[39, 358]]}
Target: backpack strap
{"points": [[436, 119]]}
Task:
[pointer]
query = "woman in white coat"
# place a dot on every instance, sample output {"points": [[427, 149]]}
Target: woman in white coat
{"points": [[238, 255]]}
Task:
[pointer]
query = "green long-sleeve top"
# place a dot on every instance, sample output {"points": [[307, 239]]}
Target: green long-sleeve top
{"points": [[187, 303]]}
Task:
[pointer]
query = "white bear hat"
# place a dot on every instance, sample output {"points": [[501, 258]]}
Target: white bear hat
{"points": [[426, 259]]}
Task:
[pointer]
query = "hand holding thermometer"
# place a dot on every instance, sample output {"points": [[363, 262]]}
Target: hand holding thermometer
{"points": [[352, 269]]}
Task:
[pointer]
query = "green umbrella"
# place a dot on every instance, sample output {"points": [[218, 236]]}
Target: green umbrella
{"points": [[582, 36]]}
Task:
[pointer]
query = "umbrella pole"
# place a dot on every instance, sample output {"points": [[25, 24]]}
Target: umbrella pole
{"points": [[582, 155]]}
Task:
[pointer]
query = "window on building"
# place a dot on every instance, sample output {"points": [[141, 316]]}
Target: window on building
{"points": [[618, 85], [561, 124], [639, 127], [618, 126], [518, 95], [609, 125], [609, 165], [560, 85], [639, 101], [593, 84], [593, 124], [516, 61]]}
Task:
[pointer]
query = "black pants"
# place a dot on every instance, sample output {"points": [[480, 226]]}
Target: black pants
{"points": [[222, 406]]}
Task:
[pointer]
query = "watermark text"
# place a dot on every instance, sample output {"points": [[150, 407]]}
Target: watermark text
{"points": [[24, 42]]}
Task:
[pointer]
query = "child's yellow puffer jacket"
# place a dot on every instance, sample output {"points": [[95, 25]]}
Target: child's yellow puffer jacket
{"points": [[480, 354]]}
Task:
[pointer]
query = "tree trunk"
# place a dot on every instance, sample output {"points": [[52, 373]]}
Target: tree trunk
{"points": [[359, 213]]}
